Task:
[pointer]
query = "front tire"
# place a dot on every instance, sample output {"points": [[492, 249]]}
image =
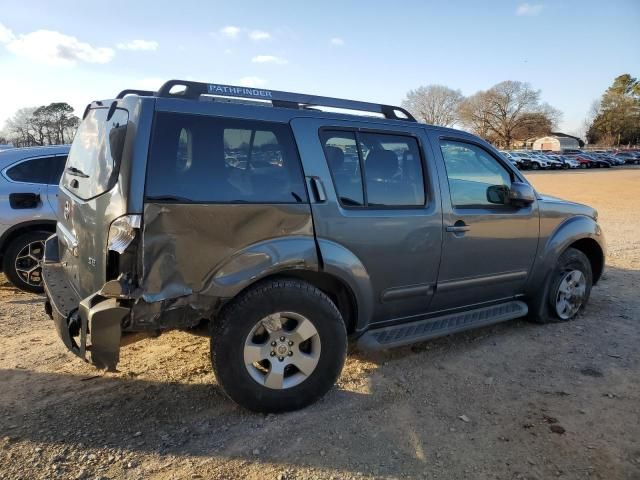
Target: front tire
{"points": [[570, 286], [22, 262], [279, 346]]}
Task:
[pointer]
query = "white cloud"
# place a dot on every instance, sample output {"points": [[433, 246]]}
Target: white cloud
{"points": [[252, 82], [269, 59], [55, 48], [336, 42], [530, 10], [231, 31], [6, 35], [138, 45], [259, 35]]}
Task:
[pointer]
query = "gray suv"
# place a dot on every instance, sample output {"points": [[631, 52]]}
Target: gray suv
{"points": [[28, 187], [290, 230]]}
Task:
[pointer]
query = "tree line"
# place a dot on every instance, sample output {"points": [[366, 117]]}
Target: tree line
{"points": [[511, 112], [615, 118], [52, 124]]}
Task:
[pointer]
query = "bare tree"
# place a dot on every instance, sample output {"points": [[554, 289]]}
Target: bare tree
{"points": [[508, 111], [434, 104], [19, 128], [45, 125]]}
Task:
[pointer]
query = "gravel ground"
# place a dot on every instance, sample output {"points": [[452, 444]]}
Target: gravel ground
{"points": [[511, 401]]}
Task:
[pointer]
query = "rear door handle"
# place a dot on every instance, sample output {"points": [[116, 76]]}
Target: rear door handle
{"points": [[317, 189]]}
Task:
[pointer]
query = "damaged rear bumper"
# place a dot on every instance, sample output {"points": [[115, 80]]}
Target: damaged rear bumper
{"points": [[91, 327]]}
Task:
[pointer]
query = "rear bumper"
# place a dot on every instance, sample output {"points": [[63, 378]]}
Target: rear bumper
{"points": [[90, 326]]}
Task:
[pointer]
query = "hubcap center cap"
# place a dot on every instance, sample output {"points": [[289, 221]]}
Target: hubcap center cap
{"points": [[282, 349]]}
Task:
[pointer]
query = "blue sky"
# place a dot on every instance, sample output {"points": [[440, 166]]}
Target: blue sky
{"points": [[76, 51]]}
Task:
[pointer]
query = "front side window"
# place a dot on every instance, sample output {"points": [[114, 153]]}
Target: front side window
{"points": [[390, 165], [476, 178], [213, 160]]}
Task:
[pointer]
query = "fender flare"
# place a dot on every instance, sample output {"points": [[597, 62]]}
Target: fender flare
{"points": [[340, 262], [565, 234]]}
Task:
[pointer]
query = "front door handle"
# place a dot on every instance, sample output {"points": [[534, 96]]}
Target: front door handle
{"points": [[458, 227]]}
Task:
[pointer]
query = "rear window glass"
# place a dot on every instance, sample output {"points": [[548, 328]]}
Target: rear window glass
{"points": [[94, 158], [205, 159]]}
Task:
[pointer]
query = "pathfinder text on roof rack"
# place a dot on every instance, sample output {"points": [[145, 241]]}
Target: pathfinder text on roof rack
{"points": [[243, 91]]}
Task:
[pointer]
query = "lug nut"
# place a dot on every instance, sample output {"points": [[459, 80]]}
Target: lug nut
{"points": [[290, 353], [281, 358], [282, 339], [273, 354], [290, 343], [273, 344]]}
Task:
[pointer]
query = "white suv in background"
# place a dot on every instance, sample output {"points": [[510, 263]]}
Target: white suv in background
{"points": [[29, 180]]}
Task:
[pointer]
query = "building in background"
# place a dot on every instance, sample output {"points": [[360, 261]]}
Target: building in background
{"points": [[558, 142]]}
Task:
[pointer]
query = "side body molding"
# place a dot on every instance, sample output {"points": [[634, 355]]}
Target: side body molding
{"points": [[343, 264]]}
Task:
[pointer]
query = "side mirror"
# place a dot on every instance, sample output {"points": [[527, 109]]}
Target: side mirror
{"points": [[521, 194], [498, 194]]}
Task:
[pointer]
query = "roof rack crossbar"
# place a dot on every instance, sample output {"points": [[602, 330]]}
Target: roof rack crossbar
{"points": [[132, 91], [193, 91]]}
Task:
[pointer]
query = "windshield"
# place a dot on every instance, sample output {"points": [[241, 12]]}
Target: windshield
{"points": [[94, 158]]}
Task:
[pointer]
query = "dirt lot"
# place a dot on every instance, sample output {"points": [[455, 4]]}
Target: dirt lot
{"points": [[536, 402]]}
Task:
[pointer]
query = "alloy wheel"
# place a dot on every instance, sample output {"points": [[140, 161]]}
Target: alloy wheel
{"points": [[282, 350], [28, 264], [570, 294]]}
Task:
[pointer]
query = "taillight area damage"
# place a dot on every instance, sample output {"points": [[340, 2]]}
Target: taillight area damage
{"points": [[175, 269]]}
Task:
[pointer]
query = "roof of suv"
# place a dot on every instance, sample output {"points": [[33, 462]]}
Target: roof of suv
{"points": [[286, 104]]}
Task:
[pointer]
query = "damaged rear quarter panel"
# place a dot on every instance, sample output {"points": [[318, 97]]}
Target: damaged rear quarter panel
{"points": [[195, 255]]}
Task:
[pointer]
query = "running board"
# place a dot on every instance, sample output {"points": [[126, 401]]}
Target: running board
{"points": [[407, 333]]}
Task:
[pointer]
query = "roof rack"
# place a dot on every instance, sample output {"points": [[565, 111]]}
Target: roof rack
{"points": [[194, 90], [131, 91]]}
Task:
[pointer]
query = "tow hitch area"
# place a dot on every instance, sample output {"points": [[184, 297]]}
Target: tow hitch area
{"points": [[91, 325]]}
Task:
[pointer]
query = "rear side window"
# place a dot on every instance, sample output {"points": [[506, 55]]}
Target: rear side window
{"points": [[214, 160], [44, 170], [32, 171], [57, 167], [94, 158], [389, 166]]}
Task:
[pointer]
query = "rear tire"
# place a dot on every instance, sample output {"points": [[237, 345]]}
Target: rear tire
{"points": [[259, 352], [22, 261]]}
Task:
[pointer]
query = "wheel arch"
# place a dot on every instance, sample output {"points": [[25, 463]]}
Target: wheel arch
{"points": [[594, 252], [335, 288], [580, 232], [22, 228]]}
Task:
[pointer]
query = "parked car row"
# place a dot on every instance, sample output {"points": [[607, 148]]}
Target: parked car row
{"points": [[541, 160]]}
